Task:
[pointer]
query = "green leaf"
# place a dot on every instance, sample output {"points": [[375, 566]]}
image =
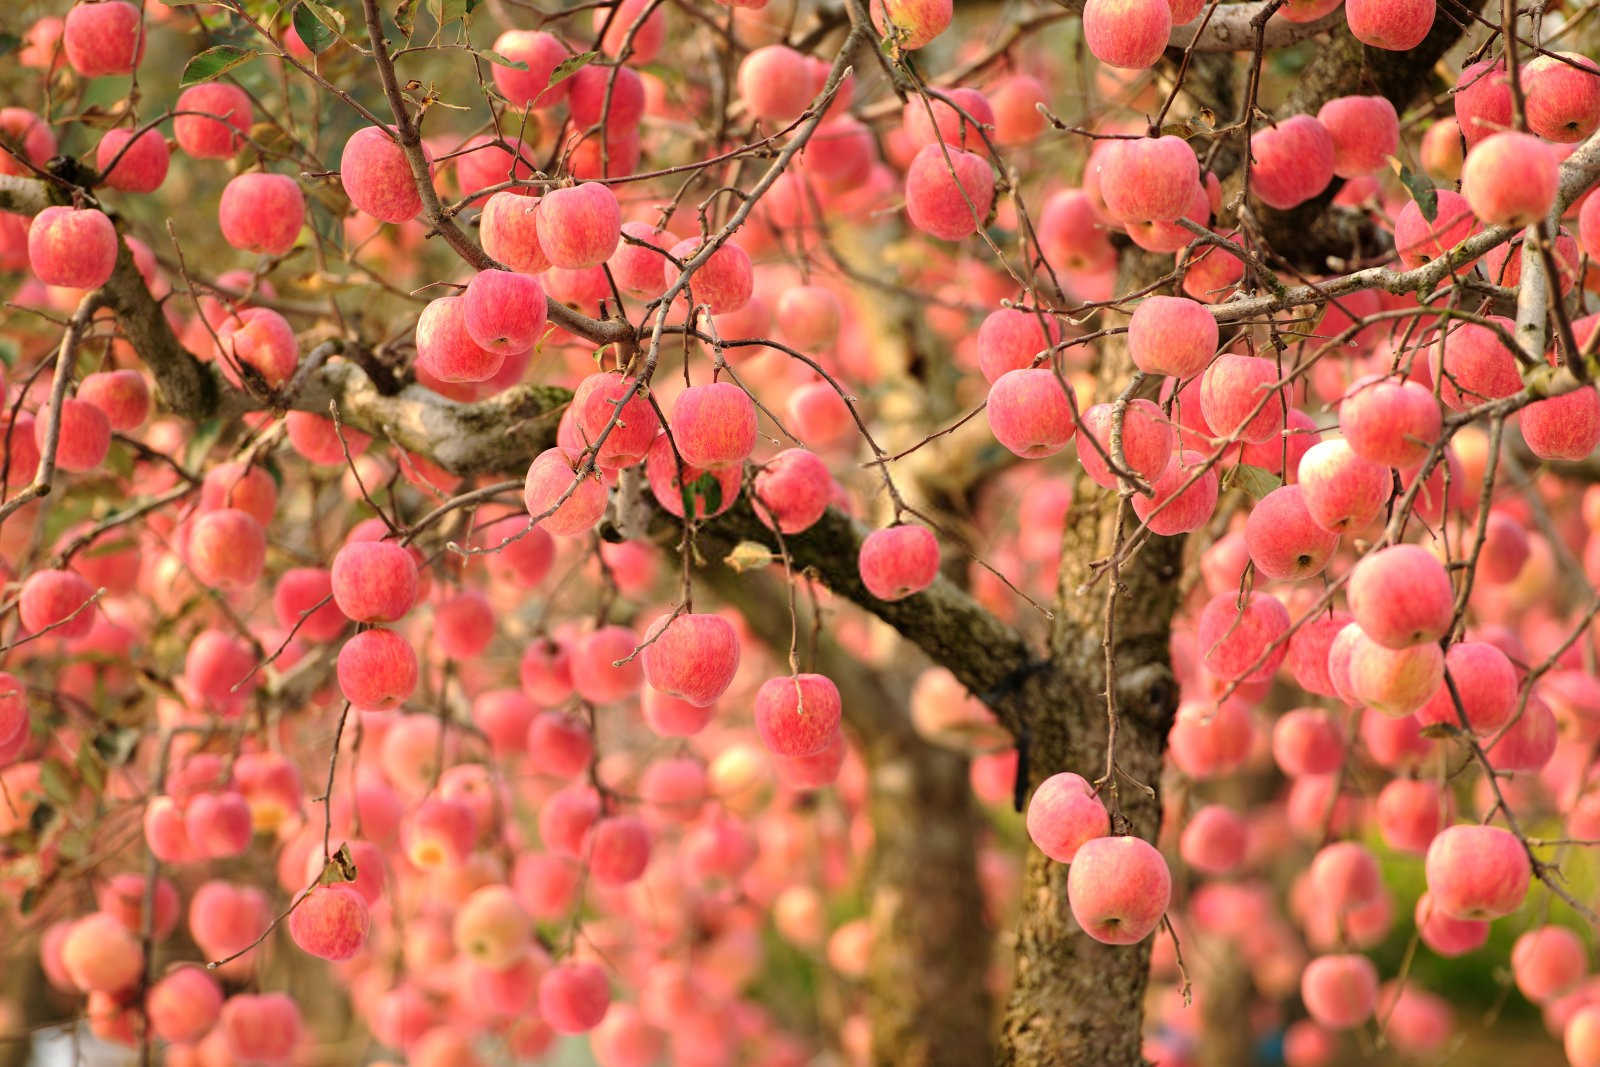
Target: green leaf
{"points": [[318, 29], [29, 901], [9, 43], [119, 460], [9, 351], [1256, 481], [447, 11], [665, 71], [213, 63], [327, 208], [1421, 189], [90, 767], [56, 783], [501, 61], [707, 488], [570, 66], [108, 548], [73, 844], [1290, 61]]}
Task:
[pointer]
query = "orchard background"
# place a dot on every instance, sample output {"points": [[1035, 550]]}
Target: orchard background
{"points": [[659, 532]]}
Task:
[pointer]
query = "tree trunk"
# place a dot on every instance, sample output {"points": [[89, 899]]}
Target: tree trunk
{"points": [[1225, 1012], [926, 993], [1075, 1001], [930, 945]]}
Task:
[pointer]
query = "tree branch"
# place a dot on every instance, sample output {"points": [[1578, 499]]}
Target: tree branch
{"points": [[1230, 31], [1308, 234], [500, 434], [189, 387], [26, 196], [987, 656], [1580, 171]]}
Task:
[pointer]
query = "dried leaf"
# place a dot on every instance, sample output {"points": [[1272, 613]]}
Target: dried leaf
{"points": [[340, 868], [748, 556]]}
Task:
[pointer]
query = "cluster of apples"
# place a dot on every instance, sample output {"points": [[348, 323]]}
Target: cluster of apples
{"points": [[1132, 34], [421, 841], [496, 872], [1383, 657]]}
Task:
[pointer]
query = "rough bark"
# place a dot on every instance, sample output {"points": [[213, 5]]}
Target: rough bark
{"points": [[30, 992], [1344, 65], [184, 385], [1230, 29], [930, 948], [1228, 1042], [925, 984], [1075, 1001], [1312, 232], [500, 434], [25, 196]]}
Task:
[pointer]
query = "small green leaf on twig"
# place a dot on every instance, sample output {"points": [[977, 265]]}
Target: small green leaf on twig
{"points": [[1256, 481], [213, 63], [201, 441], [318, 25], [56, 783], [447, 11], [501, 61], [570, 66], [1420, 187], [707, 488]]}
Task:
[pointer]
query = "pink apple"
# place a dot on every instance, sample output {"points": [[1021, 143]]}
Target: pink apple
{"points": [[1063, 814], [1118, 889]]}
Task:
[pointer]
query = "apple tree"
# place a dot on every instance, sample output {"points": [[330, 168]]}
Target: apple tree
{"points": [[800, 531]]}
